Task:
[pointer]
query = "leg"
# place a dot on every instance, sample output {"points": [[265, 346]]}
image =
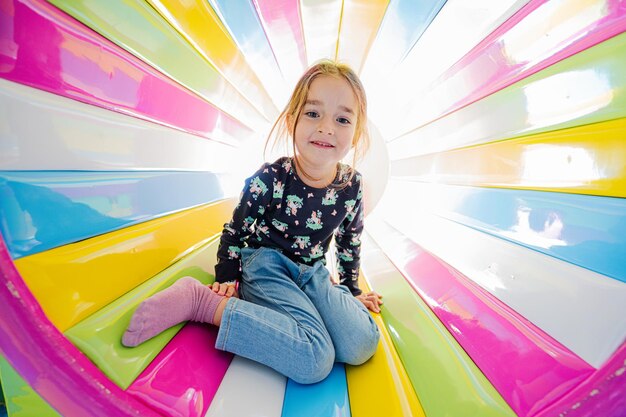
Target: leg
{"points": [[277, 324], [351, 327], [187, 299]]}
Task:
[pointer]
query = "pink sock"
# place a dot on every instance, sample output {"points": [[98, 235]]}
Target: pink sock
{"points": [[187, 299]]}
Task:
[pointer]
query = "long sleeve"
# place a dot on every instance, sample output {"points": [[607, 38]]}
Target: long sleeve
{"points": [[348, 243], [254, 198]]}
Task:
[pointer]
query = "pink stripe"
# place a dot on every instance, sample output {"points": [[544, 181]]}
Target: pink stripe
{"points": [[49, 50], [50, 364], [527, 367], [183, 379], [276, 14], [603, 394], [488, 67]]}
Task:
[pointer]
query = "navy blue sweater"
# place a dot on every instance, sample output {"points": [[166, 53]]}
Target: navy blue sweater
{"points": [[278, 210]]}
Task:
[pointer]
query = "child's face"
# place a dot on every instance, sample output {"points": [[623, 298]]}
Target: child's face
{"points": [[327, 123]]}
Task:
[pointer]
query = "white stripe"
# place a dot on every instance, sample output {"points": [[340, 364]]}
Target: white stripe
{"points": [[44, 131], [583, 310], [457, 28], [249, 389]]}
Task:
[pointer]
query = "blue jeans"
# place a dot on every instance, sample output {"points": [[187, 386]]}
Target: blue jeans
{"points": [[292, 318]]}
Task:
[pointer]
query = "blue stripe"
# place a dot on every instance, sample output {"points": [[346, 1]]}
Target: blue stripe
{"points": [[40, 210], [243, 22], [326, 398], [585, 230], [408, 20]]}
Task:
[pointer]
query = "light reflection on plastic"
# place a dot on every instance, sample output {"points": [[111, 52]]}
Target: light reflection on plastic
{"points": [[530, 40], [558, 166], [549, 236], [566, 96]]}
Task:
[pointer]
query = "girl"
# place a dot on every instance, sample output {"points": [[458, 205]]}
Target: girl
{"points": [[287, 313]]}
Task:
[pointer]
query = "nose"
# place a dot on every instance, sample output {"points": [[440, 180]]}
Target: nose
{"points": [[325, 126]]}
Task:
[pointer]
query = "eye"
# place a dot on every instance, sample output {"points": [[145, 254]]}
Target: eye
{"points": [[311, 114], [343, 121]]}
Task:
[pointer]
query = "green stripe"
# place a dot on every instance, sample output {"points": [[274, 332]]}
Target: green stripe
{"points": [[445, 379], [99, 336], [21, 399]]}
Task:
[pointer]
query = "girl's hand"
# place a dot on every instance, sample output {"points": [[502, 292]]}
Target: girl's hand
{"points": [[371, 300], [225, 289]]}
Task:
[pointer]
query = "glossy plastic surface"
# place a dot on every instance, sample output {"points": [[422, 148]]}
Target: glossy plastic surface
{"points": [[244, 25], [202, 28], [604, 394], [549, 100], [320, 24], [88, 138], [183, 378], [588, 231], [360, 23], [73, 281], [583, 310], [457, 27], [46, 209], [71, 60], [21, 399], [145, 34], [381, 386], [249, 389], [282, 26], [589, 159], [326, 398], [512, 353], [48, 362], [539, 35], [99, 335], [403, 24], [443, 375]]}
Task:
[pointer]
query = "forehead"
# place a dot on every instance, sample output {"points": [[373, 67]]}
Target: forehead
{"points": [[332, 91]]}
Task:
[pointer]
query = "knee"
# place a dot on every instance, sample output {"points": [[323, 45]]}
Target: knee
{"points": [[315, 366], [363, 346]]}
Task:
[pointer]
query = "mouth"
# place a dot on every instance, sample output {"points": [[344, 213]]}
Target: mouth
{"points": [[321, 144]]}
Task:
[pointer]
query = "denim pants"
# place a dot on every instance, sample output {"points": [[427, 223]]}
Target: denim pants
{"points": [[293, 319]]}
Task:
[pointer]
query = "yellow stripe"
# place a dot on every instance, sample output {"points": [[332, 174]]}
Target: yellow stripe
{"points": [[73, 281], [360, 21], [99, 335], [203, 29], [588, 159], [381, 386]]}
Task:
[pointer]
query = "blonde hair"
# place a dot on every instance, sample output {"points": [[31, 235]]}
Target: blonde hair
{"points": [[284, 131]]}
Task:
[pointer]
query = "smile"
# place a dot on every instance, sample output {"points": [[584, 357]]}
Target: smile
{"points": [[322, 144]]}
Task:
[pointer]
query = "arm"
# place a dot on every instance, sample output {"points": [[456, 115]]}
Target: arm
{"points": [[254, 197], [348, 244]]}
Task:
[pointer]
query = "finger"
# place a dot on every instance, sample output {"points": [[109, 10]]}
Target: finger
{"points": [[215, 287], [372, 306], [377, 300], [230, 291], [222, 290]]}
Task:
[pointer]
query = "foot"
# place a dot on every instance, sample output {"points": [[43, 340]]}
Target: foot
{"points": [[186, 300]]}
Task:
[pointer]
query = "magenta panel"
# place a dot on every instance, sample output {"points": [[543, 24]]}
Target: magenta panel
{"points": [[184, 377], [527, 367], [44, 48], [603, 394], [282, 18], [506, 55], [50, 364]]}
